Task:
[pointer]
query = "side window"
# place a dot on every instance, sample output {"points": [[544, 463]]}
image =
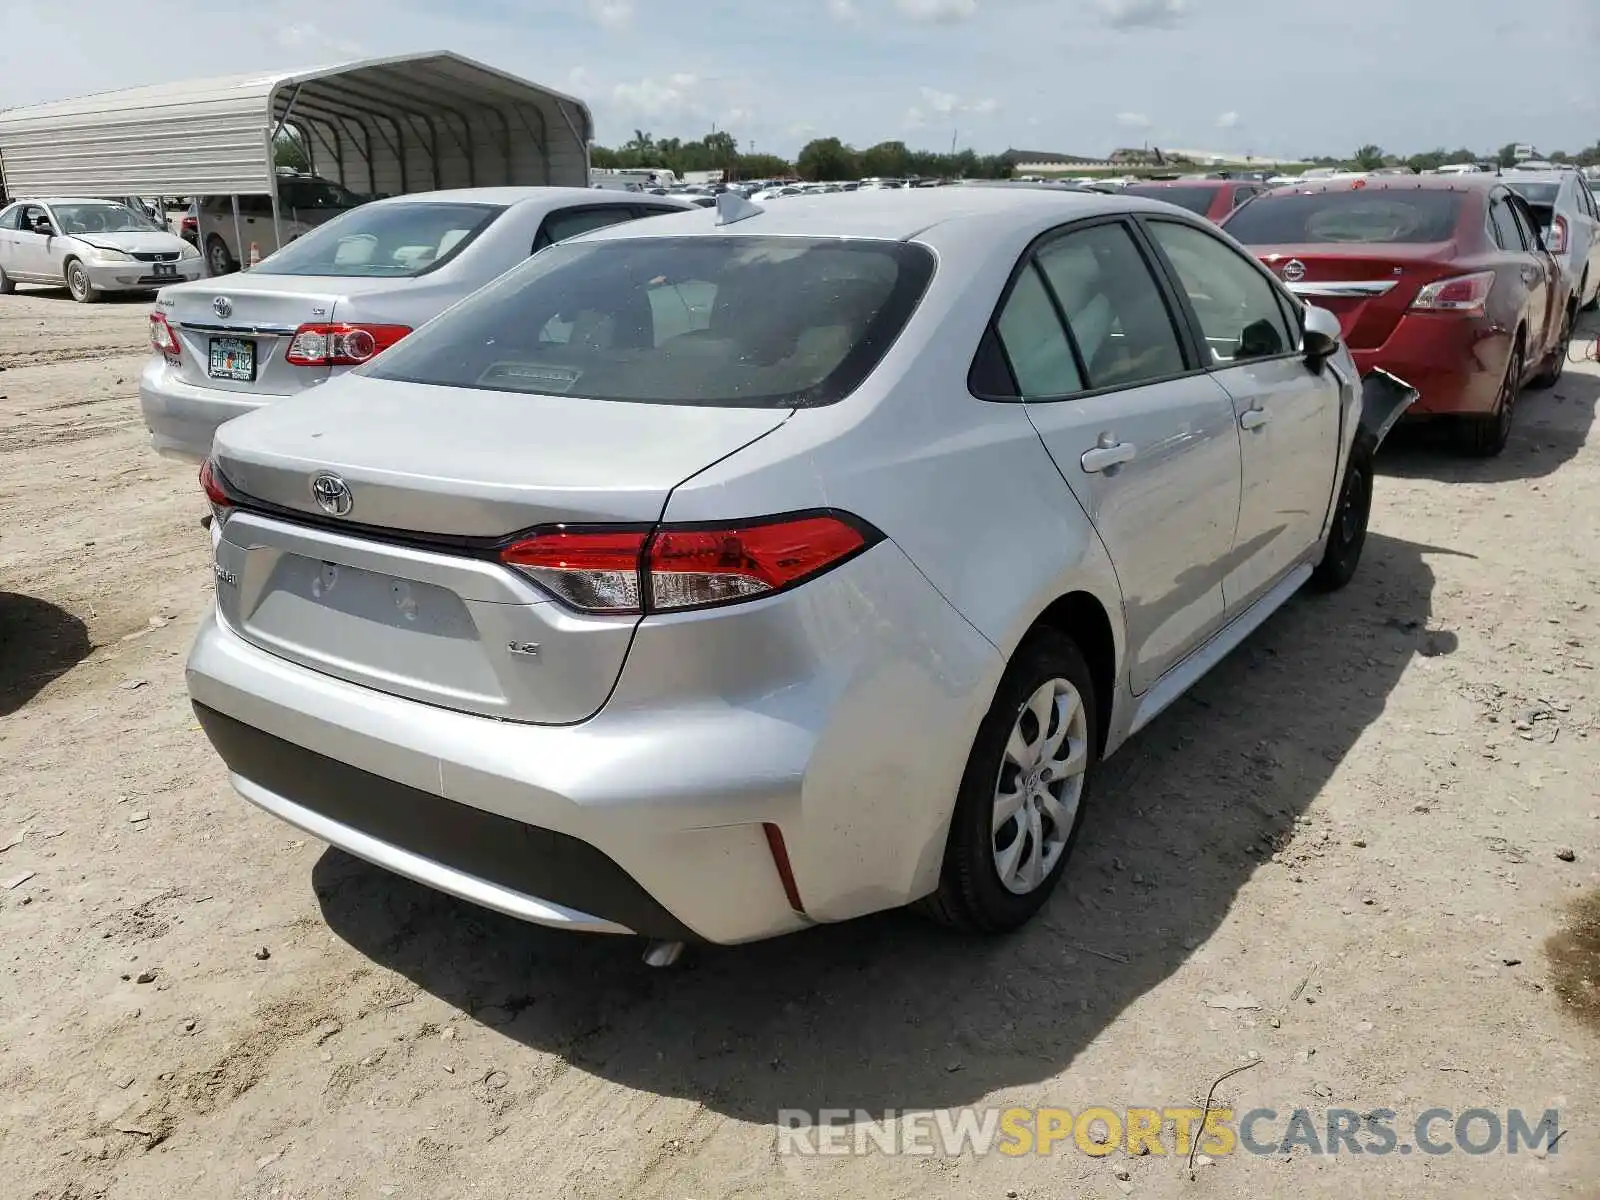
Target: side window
{"points": [[1525, 229], [1240, 195], [1236, 304], [1502, 225], [1586, 199], [1113, 306], [570, 222], [30, 214], [1035, 345], [11, 218]]}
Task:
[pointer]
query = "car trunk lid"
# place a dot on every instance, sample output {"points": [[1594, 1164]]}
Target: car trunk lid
{"points": [[1368, 287], [404, 592]]}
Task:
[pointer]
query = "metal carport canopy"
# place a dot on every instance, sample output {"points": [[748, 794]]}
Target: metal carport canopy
{"points": [[404, 124]]}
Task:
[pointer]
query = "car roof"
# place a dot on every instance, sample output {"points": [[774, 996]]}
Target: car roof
{"points": [[1392, 183], [508, 196], [899, 214], [1190, 183], [65, 200], [1542, 175]]}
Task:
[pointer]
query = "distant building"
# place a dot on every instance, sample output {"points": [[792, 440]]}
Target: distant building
{"points": [[1045, 162]]}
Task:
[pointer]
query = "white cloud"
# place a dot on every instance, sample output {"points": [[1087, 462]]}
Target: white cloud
{"points": [[988, 106], [915, 118], [612, 14], [947, 104], [843, 10], [937, 12], [1149, 14], [1227, 120], [653, 99], [305, 35], [1133, 120]]}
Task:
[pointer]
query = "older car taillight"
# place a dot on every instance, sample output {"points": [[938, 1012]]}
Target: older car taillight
{"points": [[1458, 294], [1558, 236], [341, 345], [683, 567], [162, 338]]}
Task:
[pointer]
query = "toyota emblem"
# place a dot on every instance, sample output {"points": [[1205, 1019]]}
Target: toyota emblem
{"points": [[1294, 271], [332, 495], [223, 307]]}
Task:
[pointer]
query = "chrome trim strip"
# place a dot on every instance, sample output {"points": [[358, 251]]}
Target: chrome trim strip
{"points": [[436, 875], [1375, 287], [259, 330]]}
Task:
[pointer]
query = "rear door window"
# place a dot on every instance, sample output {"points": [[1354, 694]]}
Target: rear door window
{"points": [[1503, 225], [1034, 342], [567, 223], [1528, 238], [1236, 305], [1120, 322]]}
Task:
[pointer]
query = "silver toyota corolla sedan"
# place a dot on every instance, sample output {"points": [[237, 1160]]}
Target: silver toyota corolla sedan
{"points": [[91, 247], [341, 294], [713, 576]]}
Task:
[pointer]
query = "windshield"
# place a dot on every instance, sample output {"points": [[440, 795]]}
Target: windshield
{"points": [[764, 322], [383, 239], [101, 218], [1195, 199], [1536, 193], [1367, 216]]}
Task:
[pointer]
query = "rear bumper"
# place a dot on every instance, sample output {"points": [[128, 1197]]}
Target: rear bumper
{"points": [[1455, 363], [182, 418], [847, 734]]}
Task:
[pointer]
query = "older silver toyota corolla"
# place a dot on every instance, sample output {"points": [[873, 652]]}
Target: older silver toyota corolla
{"points": [[713, 576]]}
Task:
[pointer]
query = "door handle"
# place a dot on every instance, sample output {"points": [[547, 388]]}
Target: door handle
{"points": [[1254, 418], [1107, 454]]}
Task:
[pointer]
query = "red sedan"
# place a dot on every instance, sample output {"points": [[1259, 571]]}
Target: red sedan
{"points": [[1441, 281], [1210, 198]]}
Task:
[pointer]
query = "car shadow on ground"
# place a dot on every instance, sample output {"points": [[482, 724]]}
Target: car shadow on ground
{"points": [[60, 293], [38, 643], [891, 1012], [1551, 427]]}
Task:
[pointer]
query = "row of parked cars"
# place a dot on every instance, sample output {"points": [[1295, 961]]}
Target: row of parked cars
{"points": [[632, 566]]}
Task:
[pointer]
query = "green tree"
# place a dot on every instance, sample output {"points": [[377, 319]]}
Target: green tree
{"points": [[886, 159], [764, 166], [1369, 157], [289, 150], [1508, 155], [827, 158]]}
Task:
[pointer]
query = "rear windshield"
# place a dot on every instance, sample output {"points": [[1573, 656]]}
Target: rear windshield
{"points": [[383, 239], [768, 322], [1536, 193], [1371, 215], [1195, 199]]}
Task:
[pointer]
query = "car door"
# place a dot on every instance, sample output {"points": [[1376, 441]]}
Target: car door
{"points": [[1288, 414], [1541, 273], [33, 249], [1147, 443], [1588, 238]]}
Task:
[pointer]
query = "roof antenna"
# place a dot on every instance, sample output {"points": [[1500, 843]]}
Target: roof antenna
{"points": [[733, 207]]}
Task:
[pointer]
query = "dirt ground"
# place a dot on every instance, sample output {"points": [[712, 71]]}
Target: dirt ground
{"points": [[1343, 855]]}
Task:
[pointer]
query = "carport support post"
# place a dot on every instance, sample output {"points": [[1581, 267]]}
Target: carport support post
{"points": [[272, 190], [238, 235]]}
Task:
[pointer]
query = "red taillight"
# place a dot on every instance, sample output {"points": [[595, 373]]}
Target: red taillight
{"points": [[1558, 236], [162, 339], [189, 225], [1459, 294], [341, 345], [674, 569], [221, 504]]}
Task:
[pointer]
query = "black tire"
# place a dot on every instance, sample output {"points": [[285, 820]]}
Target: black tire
{"points": [[1592, 304], [1342, 555], [219, 259], [77, 277], [1556, 361], [971, 896], [1486, 436]]}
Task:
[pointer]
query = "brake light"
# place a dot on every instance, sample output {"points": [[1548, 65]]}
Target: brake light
{"points": [[162, 339], [340, 345], [221, 502], [1460, 293], [685, 567], [1558, 236]]}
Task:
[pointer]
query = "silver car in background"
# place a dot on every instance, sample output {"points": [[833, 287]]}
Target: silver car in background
{"points": [[1567, 210], [341, 294], [714, 576], [91, 247]]}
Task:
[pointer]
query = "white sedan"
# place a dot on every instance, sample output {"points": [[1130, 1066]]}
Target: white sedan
{"points": [[90, 246]]}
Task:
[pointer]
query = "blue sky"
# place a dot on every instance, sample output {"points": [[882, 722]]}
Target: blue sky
{"points": [[1270, 77]]}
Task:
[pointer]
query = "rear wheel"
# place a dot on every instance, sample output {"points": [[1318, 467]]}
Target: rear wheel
{"points": [[1349, 532], [1486, 436], [218, 260], [1021, 800], [78, 283], [1556, 361]]}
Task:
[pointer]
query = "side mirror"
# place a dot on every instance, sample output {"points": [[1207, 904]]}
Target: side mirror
{"points": [[42, 225], [1322, 336]]}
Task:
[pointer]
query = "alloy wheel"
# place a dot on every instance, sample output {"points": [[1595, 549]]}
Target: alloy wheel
{"points": [[1040, 785], [77, 281]]}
